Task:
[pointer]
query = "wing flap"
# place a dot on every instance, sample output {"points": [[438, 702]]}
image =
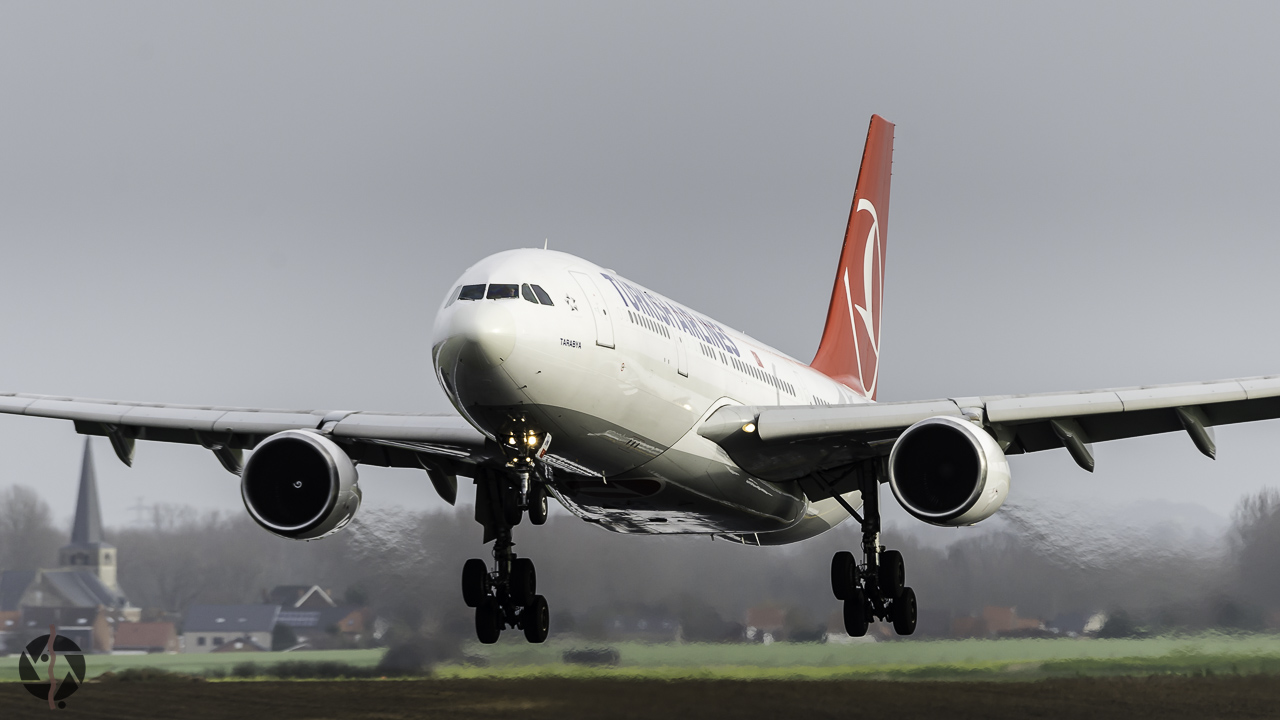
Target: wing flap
{"points": [[14, 404], [70, 409], [167, 417], [1163, 396], [1261, 387], [265, 422], [789, 423], [1038, 407], [443, 429]]}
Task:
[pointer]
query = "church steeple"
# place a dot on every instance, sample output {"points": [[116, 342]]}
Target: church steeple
{"points": [[87, 550], [88, 526]]}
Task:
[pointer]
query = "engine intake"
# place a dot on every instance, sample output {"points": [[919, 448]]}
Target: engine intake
{"points": [[946, 471], [300, 485]]}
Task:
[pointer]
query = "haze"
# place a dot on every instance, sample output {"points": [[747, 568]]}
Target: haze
{"points": [[263, 204]]}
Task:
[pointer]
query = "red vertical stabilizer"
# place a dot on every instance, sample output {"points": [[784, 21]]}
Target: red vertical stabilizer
{"points": [[850, 347]]}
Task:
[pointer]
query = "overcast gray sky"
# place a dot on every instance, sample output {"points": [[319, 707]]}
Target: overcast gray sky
{"points": [[262, 204]]}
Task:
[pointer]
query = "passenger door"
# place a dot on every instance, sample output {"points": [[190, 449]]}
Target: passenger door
{"points": [[599, 312]]}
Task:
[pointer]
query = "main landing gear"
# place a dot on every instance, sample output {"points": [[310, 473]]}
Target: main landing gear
{"points": [[876, 588], [506, 594]]}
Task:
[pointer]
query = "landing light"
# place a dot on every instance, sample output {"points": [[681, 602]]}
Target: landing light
{"points": [[749, 428], [533, 440]]}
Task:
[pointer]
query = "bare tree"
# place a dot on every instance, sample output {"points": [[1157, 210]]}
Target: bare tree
{"points": [[1255, 542], [184, 558], [28, 539]]}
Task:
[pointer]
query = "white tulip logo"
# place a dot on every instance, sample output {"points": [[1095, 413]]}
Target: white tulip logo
{"points": [[873, 292]]}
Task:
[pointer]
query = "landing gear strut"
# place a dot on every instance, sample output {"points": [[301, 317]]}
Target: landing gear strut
{"points": [[506, 593], [875, 588]]}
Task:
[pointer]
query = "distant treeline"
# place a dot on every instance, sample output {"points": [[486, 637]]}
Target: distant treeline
{"points": [[407, 566]]}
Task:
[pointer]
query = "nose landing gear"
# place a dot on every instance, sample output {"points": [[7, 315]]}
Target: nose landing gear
{"points": [[876, 588], [505, 595]]}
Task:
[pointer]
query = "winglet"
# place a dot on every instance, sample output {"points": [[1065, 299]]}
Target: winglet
{"points": [[850, 348]]}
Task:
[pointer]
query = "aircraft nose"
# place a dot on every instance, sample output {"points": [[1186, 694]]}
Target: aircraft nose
{"points": [[488, 332]]}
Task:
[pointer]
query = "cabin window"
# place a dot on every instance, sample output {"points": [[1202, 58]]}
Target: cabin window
{"points": [[499, 291], [542, 295], [471, 292]]}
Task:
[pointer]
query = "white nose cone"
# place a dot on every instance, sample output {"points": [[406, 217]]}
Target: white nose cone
{"points": [[488, 333]]}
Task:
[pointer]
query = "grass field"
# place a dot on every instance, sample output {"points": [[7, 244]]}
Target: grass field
{"points": [[940, 659], [197, 664], [937, 659]]}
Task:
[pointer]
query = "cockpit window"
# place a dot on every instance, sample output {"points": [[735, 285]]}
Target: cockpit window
{"points": [[497, 291], [472, 292], [452, 296], [503, 292]]}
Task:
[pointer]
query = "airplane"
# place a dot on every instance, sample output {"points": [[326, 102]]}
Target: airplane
{"points": [[643, 416]]}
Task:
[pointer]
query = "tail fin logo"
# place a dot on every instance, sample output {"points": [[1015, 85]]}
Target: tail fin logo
{"points": [[849, 351], [868, 310]]}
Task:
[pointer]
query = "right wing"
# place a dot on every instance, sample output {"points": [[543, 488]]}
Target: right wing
{"points": [[444, 445], [794, 442]]}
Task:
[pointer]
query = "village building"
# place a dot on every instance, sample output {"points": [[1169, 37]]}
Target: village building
{"points": [[315, 619], [146, 637], [242, 644], [13, 583], [644, 626], [996, 621], [300, 597], [207, 628], [765, 623]]}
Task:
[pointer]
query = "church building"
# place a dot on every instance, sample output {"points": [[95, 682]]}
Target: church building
{"points": [[82, 597]]}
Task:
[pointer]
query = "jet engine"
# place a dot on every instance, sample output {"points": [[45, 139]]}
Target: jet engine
{"points": [[947, 471], [300, 485]]}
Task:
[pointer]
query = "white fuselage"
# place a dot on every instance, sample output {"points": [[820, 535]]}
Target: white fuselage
{"points": [[621, 377]]}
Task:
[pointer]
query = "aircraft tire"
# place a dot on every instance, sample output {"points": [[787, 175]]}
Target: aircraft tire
{"points": [[536, 620], [524, 582], [538, 504], [475, 582], [855, 614], [893, 573], [843, 570], [904, 612], [488, 621]]}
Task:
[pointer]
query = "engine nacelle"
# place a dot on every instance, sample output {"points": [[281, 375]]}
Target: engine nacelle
{"points": [[947, 471], [300, 485]]}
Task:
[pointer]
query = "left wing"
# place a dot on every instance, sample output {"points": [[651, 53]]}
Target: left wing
{"points": [[791, 443], [444, 445]]}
